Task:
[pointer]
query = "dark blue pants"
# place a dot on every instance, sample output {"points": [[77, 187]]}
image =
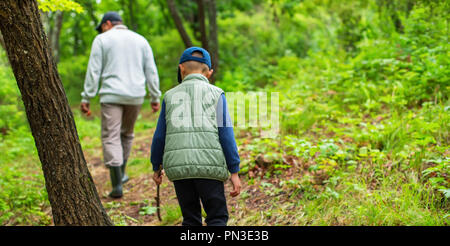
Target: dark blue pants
{"points": [[210, 192]]}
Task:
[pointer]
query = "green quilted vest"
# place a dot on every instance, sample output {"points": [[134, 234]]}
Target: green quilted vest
{"points": [[192, 148]]}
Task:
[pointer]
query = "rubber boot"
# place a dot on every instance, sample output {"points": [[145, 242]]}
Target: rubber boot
{"points": [[116, 181], [125, 177]]}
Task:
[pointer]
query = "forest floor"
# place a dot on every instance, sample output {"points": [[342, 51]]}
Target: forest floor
{"points": [[288, 181], [288, 191]]}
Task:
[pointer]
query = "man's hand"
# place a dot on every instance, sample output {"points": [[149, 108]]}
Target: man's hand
{"points": [[157, 176], [236, 184], [85, 108], [155, 106]]}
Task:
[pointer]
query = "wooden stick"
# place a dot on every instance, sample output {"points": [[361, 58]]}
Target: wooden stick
{"points": [[157, 198], [158, 210]]}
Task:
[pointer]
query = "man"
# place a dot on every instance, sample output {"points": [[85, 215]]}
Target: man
{"points": [[123, 61]]}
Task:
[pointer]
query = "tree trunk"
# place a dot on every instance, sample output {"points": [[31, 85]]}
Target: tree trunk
{"points": [[2, 43], [164, 12], [133, 23], [46, 18], [59, 22], [201, 17], [69, 184], [55, 33], [213, 40], [89, 6], [76, 30], [178, 23]]}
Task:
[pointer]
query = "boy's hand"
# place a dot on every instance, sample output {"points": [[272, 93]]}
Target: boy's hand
{"points": [[236, 184], [157, 177]]}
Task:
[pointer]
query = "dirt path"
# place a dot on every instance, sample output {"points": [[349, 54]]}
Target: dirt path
{"points": [[140, 190]]}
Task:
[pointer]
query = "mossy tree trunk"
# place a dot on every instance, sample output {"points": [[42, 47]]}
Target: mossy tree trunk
{"points": [[71, 190]]}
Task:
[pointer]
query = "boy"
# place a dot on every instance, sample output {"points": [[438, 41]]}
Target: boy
{"points": [[194, 142]]}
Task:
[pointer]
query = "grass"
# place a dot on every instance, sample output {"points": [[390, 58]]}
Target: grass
{"points": [[23, 198], [172, 215], [383, 206], [352, 204], [363, 185]]}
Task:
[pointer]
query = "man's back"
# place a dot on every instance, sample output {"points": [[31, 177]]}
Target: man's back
{"points": [[123, 61], [123, 56]]}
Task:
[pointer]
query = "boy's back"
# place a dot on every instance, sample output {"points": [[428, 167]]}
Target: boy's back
{"points": [[192, 148]]}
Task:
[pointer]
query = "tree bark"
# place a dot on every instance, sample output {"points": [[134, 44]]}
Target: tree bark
{"points": [[201, 19], [71, 191], [178, 23], [213, 40]]}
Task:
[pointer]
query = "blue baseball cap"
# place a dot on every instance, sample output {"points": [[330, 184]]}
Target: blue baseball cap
{"points": [[187, 56], [109, 16]]}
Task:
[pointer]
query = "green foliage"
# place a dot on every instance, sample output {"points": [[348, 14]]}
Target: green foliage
{"points": [[11, 107], [364, 103], [72, 72], [438, 176], [23, 198], [172, 214], [147, 210], [61, 5]]}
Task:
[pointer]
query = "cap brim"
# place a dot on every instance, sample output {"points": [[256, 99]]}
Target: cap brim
{"points": [[179, 76], [99, 28]]}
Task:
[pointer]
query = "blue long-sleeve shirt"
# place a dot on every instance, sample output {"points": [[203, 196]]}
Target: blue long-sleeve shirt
{"points": [[226, 137]]}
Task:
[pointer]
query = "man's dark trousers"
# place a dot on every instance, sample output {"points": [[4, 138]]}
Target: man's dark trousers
{"points": [[210, 192]]}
